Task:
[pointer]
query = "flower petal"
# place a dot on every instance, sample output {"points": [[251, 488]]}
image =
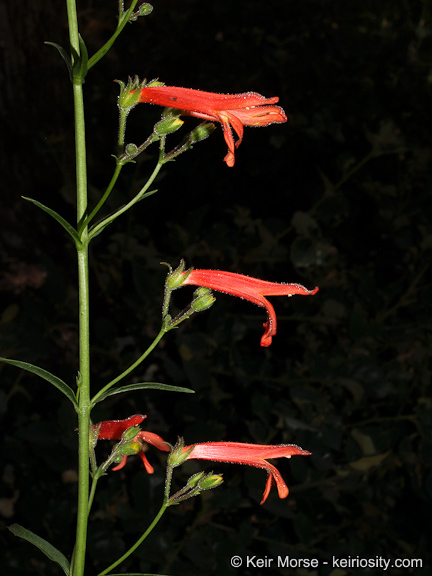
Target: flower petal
{"points": [[246, 287], [149, 468], [236, 110], [201, 101], [224, 119], [121, 465], [261, 116], [154, 440], [113, 429], [251, 454]]}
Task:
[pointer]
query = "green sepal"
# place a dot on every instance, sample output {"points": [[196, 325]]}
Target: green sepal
{"points": [[141, 386], [66, 57], [54, 380], [69, 229], [44, 546], [177, 277], [177, 456]]}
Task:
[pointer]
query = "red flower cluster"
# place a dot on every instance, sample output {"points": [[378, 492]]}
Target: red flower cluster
{"points": [[232, 452]]}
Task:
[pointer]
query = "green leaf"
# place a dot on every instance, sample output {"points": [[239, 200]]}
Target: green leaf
{"points": [[80, 67], [62, 386], [142, 386], [136, 574], [45, 547], [66, 57], [69, 229]]}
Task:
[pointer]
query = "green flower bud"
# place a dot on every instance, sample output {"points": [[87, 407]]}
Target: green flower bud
{"points": [[168, 126], [144, 10], [195, 480], [202, 291], [131, 149], [201, 132], [130, 433], [203, 299], [195, 485], [211, 481]]}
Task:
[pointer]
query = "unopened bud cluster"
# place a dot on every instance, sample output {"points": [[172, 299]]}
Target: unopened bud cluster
{"points": [[202, 300], [198, 134]]}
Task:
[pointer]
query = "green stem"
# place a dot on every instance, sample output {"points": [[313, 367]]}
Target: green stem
{"points": [[84, 412], [102, 201], [78, 564], [123, 20], [138, 542], [97, 228], [159, 515], [122, 130], [92, 494], [152, 346]]}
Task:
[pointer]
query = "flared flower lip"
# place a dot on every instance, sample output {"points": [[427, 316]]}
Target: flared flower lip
{"points": [[251, 454], [249, 288], [231, 110]]}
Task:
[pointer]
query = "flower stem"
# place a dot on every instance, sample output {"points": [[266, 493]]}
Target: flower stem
{"points": [[123, 20], [128, 370], [103, 199], [97, 228], [158, 516]]}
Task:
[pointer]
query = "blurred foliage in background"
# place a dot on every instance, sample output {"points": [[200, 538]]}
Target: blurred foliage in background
{"points": [[341, 197]]}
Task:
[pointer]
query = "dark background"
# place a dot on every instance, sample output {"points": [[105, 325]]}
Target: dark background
{"points": [[339, 197]]}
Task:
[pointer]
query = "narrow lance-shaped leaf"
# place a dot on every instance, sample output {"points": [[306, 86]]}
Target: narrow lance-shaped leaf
{"points": [[44, 546], [69, 229], [142, 386], [54, 380], [66, 57]]}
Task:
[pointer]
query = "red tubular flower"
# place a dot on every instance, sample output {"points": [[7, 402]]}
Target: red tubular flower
{"points": [[251, 454], [231, 110], [250, 289], [114, 429]]}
